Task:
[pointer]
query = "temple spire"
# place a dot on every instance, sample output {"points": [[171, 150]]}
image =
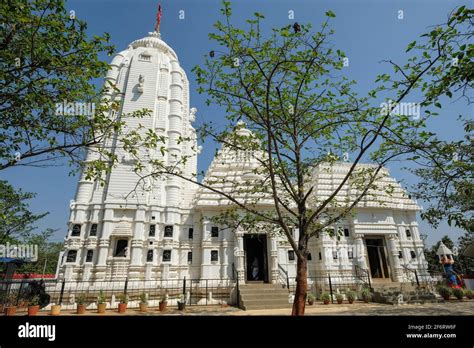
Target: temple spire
{"points": [[158, 19]]}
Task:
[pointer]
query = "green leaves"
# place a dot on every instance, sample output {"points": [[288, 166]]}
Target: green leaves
{"points": [[330, 14]]}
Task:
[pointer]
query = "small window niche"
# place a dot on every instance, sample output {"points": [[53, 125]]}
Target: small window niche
{"points": [[190, 257], [334, 255], [93, 231], [214, 255], [166, 255], [89, 255], [149, 256], [350, 254], [71, 256], [144, 57], [168, 231], [413, 254], [76, 230], [214, 232], [190, 233], [152, 231], [400, 254], [408, 233], [346, 232], [309, 257], [291, 255]]}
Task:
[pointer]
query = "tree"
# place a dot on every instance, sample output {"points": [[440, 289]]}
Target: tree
{"points": [[16, 219], [48, 253], [49, 107], [288, 107], [446, 167]]}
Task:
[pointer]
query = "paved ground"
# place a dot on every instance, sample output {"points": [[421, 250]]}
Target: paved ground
{"points": [[453, 307]]}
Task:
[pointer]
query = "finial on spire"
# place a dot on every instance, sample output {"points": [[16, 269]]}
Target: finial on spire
{"points": [[158, 19]]}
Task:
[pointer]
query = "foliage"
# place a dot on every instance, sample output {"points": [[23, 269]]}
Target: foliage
{"points": [[123, 298], [143, 298], [469, 294], [366, 294], [81, 299], [325, 296], [458, 293], [47, 60], [15, 217], [101, 298], [310, 297], [351, 295], [34, 301], [444, 291]]}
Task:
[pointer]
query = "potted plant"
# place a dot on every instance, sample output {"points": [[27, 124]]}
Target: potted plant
{"points": [[325, 297], [163, 303], [458, 293], [55, 309], [81, 304], [101, 302], [143, 302], [366, 295], [351, 295], [310, 298], [181, 302], [445, 292], [33, 305], [10, 305], [469, 294], [339, 298], [122, 307]]}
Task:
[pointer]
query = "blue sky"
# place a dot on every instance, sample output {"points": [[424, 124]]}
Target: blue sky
{"points": [[368, 32]]}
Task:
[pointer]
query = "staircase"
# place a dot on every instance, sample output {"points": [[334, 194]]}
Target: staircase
{"points": [[390, 292], [263, 296]]}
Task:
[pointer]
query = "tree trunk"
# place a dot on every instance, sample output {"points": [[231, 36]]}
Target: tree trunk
{"points": [[301, 287]]}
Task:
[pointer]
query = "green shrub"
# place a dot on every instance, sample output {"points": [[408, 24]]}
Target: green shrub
{"points": [[458, 293], [101, 298], [310, 297], [366, 294], [469, 294], [325, 296], [351, 295], [444, 291], [143, 298], [123, 298], [81, 299]]}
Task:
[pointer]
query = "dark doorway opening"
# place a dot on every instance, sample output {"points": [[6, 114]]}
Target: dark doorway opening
{"points": [[255, 246], [377, 258]]}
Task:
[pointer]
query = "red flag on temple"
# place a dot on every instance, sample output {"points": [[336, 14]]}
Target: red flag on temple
{"points": [[158, 19]]}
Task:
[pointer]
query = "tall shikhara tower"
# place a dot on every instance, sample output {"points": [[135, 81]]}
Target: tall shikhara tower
{"points": [[112, 236]]}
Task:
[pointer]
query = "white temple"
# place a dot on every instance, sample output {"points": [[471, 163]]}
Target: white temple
{"points": [[165, 232]]}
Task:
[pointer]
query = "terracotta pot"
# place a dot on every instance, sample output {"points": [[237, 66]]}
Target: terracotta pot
{"points": [[122, 307], [310, 302], [33, 310], [81, 308], [143, 307], [446, 298], [339, 301], [366, 300], [55, 309], [101, 307], [351, 301], [326, 301], [162, 306], [9, 311]]}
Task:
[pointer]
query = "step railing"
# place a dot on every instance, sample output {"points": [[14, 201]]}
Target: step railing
{"points": [[409, 271], [363, 275], [284, 272]]}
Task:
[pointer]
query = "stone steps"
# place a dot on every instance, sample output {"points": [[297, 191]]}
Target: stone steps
{"points": [[263, 296]]}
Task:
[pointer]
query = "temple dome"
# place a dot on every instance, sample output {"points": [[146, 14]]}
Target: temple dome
{"points": [[153, 40]]}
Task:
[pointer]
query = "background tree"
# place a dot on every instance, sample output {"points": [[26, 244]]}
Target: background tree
{"points": [[299, 116], [47, 59], [16, 220]]}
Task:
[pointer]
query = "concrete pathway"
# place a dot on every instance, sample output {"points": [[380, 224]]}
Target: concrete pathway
{"points": [[452, 307]]}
